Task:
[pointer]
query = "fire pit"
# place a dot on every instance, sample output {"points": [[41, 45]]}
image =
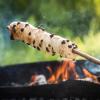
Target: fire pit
{"points": [[15, 79]]}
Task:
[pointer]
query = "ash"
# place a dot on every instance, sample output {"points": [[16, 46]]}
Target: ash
{"points": [[38, 80]]}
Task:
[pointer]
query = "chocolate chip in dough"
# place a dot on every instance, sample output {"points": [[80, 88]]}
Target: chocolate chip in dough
{"points": [[47, 49], [29, 33], [75, 46], [40, 44], [38, 48], [33, 42], [51, 35], [40, 27], [34, 46], [13, 28], [69, 46], [22, 29], [60, 55], [18, 23], [63, 42], [23, 41], [67, 40], [41, 41], [49, 45], [28, 44], [26, 25], [53, 53]]}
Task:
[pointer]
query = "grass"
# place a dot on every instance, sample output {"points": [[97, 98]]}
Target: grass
{"points": [[90, 44]]}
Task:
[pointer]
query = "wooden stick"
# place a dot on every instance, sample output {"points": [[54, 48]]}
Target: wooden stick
{"points": [[85, 55]]}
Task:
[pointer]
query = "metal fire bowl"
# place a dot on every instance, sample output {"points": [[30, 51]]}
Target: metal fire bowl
{"points": [[21, 74]]}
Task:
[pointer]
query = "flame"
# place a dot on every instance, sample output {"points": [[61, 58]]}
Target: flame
{"points": [[49, 69], [33, 78], [88, 74], [64, 72]]}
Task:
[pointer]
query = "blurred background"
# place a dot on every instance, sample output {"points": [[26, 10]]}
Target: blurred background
{"points": [[78, 20]]}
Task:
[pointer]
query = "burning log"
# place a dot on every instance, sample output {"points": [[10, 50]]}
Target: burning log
{"points": [[67, 69], [64, 72], [44, 41]]}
